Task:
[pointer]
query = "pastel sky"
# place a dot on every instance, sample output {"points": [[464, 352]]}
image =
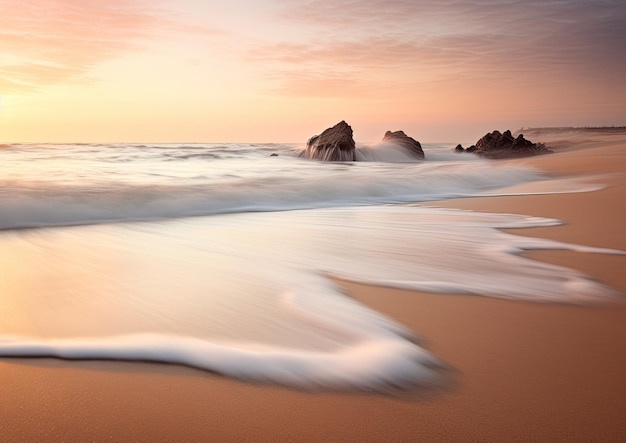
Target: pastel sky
{"points": [[283, 70]]}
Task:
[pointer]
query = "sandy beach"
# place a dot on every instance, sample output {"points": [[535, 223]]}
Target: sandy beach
{"points": [[518, 371]]}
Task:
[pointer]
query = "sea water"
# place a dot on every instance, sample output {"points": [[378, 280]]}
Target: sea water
{"points": [[221, 256]]}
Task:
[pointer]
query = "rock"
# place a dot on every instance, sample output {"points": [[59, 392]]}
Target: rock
{"points": [[471, 149], [334, 144], [459, 148], [504, 145], [274, 155], [399, 138]]}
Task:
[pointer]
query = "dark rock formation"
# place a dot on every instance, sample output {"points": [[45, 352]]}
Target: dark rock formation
{"points": [[504, 145], [399, 138], [459, 148], [334, 144]]}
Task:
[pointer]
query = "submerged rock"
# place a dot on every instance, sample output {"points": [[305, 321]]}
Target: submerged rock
{"points": [[459, 148], [401, 139], [504, 145], [334, 144]]}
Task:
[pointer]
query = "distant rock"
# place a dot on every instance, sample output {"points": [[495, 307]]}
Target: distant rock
{"points": [[274, 155], [401, 139], [459, 148], [503, 145], [334, 144]]}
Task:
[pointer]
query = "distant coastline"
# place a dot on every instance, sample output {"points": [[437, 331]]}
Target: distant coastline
{"points": [[572, 129]]}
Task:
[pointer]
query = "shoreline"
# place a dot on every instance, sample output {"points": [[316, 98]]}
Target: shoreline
{"points": [[520, 371]]}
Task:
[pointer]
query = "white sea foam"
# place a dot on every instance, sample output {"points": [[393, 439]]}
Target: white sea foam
{"points": [[248, 295], [369, 353], [54, 185], [385, 152], [37, 204]]}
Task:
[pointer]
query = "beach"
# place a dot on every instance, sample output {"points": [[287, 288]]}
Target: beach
{"points": [[516, 371]]}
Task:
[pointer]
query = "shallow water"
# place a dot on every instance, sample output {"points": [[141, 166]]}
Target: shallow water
{"points": [[248, 294], [46, 185]]}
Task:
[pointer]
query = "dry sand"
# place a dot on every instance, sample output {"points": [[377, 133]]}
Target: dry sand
{"points": [[521, 371]]}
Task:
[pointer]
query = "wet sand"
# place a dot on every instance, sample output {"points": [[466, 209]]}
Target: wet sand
{"points": [[519, 371]]}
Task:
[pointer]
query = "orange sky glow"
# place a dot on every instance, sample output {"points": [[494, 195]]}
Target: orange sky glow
{"points": [[283, 70]]}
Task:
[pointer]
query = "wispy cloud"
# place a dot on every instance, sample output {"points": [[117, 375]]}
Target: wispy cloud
{"points": [[52, 41], [415, 41]]}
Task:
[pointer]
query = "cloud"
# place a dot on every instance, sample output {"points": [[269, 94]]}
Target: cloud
{"points": [[53, 41], [344, 14], [466, 16], [373, 64], [382, 53], [412, 42]]}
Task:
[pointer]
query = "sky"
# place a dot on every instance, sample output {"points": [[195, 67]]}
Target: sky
{"points": [[284, 70]]}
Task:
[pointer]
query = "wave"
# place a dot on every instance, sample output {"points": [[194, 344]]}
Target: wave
{"points": [[38, 203], [249, 296], [378, 366], [393, 153], [370, 352]]}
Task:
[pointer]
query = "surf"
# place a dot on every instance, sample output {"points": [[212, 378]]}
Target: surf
{"points": [[250, 296]]}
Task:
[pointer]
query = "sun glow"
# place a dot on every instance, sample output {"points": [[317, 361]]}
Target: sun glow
{"points": [[171, 71]]}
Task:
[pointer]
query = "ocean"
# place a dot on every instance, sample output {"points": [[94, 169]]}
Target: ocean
{"points": [[225, 257]]}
